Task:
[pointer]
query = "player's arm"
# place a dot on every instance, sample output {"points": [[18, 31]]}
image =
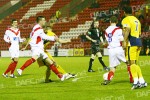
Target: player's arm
{"points": [[88, 37], [6, 37], [120, 35], [21, 39], [62, 41], [46, 37], [126, 31], [27, 44]]}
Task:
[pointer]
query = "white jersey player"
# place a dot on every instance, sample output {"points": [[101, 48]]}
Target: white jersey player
{"points": [[37, 37], [114, 37], [12, 36]]}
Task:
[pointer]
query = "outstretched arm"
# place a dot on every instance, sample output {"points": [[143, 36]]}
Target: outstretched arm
{"points": [[28, 41]]}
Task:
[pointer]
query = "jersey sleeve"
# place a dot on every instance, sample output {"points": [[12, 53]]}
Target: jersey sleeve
{"points": [[6, 37], [120, 35], [46, 37], [125, 23]]}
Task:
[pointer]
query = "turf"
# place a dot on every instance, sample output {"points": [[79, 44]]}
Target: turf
{"points": [[31, 86]]}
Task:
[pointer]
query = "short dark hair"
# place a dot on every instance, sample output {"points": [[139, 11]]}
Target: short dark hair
{"points": [[113, 19], [127, 10], [39, 18], [13, 20]]}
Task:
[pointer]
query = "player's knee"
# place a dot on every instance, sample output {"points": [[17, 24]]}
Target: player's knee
{"points": [[99, 54], [93, 56], [132, 62]]}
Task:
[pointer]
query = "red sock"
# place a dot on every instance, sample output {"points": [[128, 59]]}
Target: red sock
{"points": [[130, 75], [54, 69], [110, 75], [14, 67], [28, 63], [9, 68]]}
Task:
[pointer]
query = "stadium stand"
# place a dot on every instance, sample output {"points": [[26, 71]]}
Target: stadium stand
{"points": [[65, 30]]}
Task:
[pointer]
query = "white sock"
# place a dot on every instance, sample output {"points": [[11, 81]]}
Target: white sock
{"points": [[141, 80], [135, 80]]}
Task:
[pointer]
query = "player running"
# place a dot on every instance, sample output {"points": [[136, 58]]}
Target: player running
{"points": [[114, 37], [95, 37], [37, 47], [42, 63], [12, 36], [132, 43]]}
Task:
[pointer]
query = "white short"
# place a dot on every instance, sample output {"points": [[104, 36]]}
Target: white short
{"points": [[116, 55], [39, 52], [14, 53]]}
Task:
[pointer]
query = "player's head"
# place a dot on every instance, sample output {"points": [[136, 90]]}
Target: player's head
{"points": [[127, 10], [113, 19], [41, 20], [96, 24], [14, 23]]}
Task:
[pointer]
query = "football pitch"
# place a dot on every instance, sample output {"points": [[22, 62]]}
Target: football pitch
{"points": [[86, 86]]}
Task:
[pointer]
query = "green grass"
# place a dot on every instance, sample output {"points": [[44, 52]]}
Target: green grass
{"points": [[31, 86]]}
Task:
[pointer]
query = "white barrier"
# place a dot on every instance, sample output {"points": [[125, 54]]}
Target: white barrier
{"points": [[27, 53]]}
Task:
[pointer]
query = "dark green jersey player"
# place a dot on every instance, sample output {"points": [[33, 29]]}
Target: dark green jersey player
{"points": [[95, 36]]}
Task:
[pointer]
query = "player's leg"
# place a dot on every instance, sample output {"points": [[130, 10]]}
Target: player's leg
{"points": [[128, 64], [14, 55], [52, 66], [139, 72], [48, 73], [101, 61], [134, 68], [11, 68], [60, 69], [91, 62], [27, 63], [113, 61]]}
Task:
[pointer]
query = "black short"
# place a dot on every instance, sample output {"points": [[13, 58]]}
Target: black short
{"points": [[95, 49]]}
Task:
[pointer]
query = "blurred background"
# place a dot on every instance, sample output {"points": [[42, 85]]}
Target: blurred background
{"points": [[71, 19]]}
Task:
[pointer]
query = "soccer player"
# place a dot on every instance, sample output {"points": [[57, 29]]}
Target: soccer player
{"points": [[132, 43], [46, 43], [37, 47], [42, 63], [12, 36], [95, 37], [114, 37]]}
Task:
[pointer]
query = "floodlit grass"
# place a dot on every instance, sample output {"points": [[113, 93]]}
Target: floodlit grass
{"points": [[86, 86]]}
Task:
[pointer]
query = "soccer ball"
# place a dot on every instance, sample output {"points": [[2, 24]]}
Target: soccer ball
{"points": [[105, 76]]}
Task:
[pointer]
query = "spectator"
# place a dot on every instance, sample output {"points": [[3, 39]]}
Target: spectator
{"points": [[58, 14], [56, 50]]}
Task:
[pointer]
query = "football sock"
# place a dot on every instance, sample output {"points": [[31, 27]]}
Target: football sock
{"points": [[130, 75], [134, 73], [61, 70], [54, 69], [110, 75], [90, 63], [28, 63], [101, 61], [9, 67], [14, 67], [140, 76], [48, 72]]}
